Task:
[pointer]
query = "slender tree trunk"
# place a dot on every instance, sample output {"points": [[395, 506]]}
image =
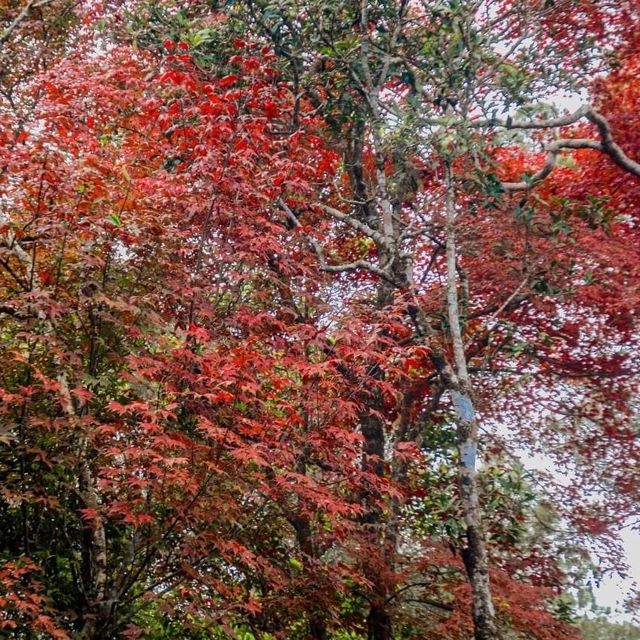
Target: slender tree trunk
{"points": [[379, 625], [372, 425], [317, 622], [96, 556], [94, 542], [304, 535], [475, 555]]}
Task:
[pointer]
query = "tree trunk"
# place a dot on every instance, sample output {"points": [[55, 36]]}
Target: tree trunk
{"points": [[317, 628], [475, 555], [372, 425], [94, 540], [302, 527], [373, 430], [379, 623]]}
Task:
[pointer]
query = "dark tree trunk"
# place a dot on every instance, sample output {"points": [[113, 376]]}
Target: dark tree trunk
{"points": [[317, 628], [379, 625]]}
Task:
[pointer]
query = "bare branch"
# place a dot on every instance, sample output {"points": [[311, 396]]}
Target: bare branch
{"points": [[388, 58], [553, 150], [354, 223], [354, 266], [15, 313], [609, 145], [606, 145], [382, 271], [21, 17], [445, 606], [551, 123]]}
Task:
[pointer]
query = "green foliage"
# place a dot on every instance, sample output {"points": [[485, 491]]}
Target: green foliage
{"points": [[603, 629]]}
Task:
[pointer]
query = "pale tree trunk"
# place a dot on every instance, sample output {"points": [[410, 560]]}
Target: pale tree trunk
{"points": [[475, 554], [95, 552], [94, 544]]}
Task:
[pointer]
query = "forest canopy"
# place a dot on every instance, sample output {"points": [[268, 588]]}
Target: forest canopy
{"points": [[319, 318]]}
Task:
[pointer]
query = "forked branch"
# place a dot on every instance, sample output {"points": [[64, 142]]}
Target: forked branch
{"points": [[380, 271], [606, 144]]}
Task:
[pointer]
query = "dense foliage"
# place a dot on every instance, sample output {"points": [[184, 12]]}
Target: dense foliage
{"points": [[290, 295]]}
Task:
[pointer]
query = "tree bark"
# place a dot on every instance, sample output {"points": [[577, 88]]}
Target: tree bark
{"points": [[379, 625], [475, 555], [94, 542]]}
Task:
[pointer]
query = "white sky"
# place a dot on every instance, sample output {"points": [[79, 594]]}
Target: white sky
{"points": [[613, 590]]}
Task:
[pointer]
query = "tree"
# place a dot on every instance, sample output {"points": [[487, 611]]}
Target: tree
{"points": [[413, 90], [141, 392], [604, 628], [272, 275]]}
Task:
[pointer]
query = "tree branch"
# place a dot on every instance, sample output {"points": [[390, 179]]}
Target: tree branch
{"points": [[553, 150], [609, 146], [21, 17], [551, 123], [445, 606], [381, 272], [358, 226], [606, 144]]}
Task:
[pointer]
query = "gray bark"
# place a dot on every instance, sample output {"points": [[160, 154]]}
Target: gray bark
{"points": [[475, 554]]}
